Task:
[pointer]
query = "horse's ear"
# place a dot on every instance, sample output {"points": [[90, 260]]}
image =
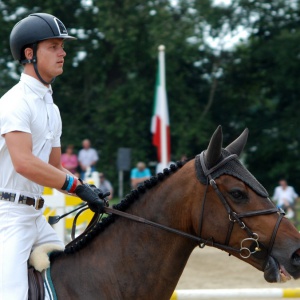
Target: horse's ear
{"points": [[213, 152], [237, 146]]}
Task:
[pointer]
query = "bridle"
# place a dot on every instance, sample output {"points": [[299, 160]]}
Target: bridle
{"points": [[234, 218]]}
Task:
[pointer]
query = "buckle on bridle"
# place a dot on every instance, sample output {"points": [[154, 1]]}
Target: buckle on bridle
{"points": [[254, 239], [212, 182]]}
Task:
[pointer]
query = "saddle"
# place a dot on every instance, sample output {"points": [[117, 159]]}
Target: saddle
{"points": [[39, 261], [36, 290]]}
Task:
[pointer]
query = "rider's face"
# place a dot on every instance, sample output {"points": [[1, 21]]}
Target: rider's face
{"points": [[50, 58]]}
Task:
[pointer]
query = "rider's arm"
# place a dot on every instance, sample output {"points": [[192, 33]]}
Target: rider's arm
{"points": [[19, 145]]}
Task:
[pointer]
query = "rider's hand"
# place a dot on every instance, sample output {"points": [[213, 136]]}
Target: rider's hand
{"points": [[86, 193], [99, 192]]}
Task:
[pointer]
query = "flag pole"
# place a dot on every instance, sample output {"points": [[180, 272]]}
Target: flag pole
{"points": [[163, 133]]}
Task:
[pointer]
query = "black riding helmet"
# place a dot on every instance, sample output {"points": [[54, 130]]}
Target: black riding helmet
{"points": [[31, 30]]}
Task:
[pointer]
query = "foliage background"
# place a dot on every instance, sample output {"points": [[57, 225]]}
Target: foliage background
{"points": [[107, 89]]}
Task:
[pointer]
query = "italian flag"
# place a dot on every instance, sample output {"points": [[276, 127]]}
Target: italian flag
{"points": [[160, 126]]}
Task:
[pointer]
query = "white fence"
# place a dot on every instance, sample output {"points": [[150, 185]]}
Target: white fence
{"points": [[271, 293]]}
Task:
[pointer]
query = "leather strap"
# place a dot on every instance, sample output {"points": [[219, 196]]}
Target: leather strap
{"points": [[209, 242], [273, 237]]}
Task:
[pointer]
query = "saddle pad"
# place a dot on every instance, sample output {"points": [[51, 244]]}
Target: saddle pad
{"points": [[50, 293]]}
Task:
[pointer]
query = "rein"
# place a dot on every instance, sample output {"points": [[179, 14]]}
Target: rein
{"points": [[234, 217], [209, 242], [109, 210]]}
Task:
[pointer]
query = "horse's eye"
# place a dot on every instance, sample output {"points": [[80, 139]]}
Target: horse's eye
{"points": [[238, 195]]}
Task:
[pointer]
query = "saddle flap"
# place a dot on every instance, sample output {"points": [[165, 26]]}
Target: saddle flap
{"points": [[36, 290]]}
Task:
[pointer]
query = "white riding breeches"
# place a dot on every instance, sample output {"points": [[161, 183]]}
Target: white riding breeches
{"points": [[22, 228]]}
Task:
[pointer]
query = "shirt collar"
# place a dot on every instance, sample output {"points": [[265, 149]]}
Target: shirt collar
{"points": [[35, 85]]}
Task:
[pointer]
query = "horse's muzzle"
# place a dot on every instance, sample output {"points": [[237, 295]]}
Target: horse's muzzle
{"points": [[272, 271], [296, 258]]}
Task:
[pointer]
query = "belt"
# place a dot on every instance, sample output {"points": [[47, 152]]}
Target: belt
{"points": [[36, 203]]}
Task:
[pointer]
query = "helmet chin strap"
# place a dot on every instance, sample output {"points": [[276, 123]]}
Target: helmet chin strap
{"points": [[38, 74], [34, 62]]}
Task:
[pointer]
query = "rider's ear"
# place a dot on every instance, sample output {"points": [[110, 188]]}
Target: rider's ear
{"points": [[28, 52], [213, 152], [237, 146]]}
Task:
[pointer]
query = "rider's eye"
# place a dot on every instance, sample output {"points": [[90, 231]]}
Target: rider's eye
{"points": [[238, 195]]}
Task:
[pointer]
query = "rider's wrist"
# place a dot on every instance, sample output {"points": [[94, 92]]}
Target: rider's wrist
{"points": [[74, 185], [70, 184]]}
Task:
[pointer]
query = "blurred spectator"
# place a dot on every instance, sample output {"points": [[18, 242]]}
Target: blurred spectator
{"points": [[139, 175], [285, 196], [87, 158], [69, 160], [184, 158], [105, 186]]}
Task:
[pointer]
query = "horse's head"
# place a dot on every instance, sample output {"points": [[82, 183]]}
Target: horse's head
{"points": [[254, 230]]}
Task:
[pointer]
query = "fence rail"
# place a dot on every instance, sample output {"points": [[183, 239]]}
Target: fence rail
{"points": [[271, 293]]}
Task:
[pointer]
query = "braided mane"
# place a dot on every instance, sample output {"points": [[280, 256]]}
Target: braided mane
{"points": [[122, 206]]}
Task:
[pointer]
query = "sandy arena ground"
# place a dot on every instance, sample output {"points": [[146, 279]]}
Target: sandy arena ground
{"points": [[211, 268]]}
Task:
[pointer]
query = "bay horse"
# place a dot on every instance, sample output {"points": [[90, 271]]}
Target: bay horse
{"points": [[211, 200]]}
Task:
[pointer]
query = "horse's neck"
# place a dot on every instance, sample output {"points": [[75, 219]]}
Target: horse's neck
{"points": [[145, 260], [138, 260], [156, 256]]}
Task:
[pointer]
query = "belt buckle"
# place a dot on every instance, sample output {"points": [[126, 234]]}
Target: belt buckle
{"points": [[37, 202]]}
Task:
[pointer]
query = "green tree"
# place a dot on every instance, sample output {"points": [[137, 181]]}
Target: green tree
{"points": [[106, 91], [260, 90]]}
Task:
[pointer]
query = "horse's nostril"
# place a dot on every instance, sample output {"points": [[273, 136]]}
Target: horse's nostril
{"points": [[296, 258]]}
